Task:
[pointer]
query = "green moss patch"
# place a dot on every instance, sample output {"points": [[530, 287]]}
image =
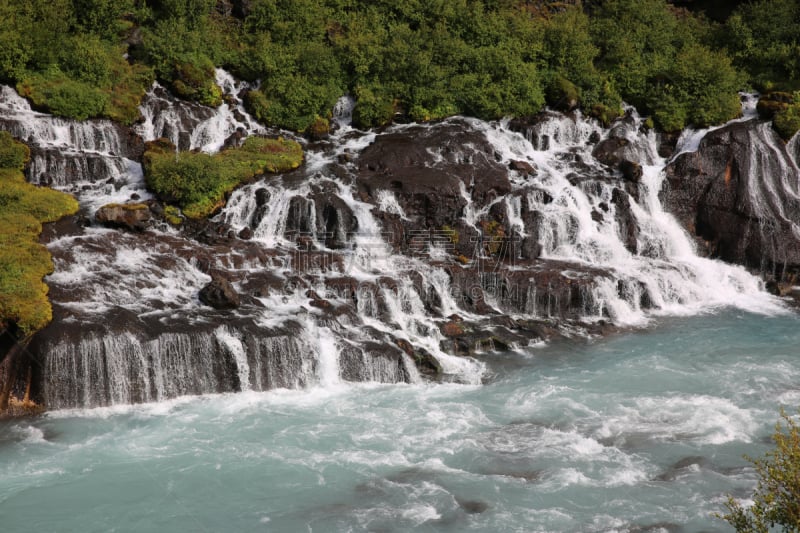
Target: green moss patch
{"points": [[23, 261], [198, 182]]}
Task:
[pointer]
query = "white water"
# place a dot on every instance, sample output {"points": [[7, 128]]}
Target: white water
{"points": [[208, 129], [237, 349], [159, 276], [82, 158], [642, 431], [664, 263]]}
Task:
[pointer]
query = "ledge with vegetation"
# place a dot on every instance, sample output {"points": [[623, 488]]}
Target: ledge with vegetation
{"points": [[23, 261], [198, 183]]}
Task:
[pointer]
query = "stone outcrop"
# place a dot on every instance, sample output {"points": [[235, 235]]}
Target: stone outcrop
{"points": [[425, 167], [219, 294], [738, 193], [135, 217]]}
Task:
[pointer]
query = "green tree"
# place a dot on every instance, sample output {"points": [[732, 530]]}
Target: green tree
{"points": [[763, 37], [776, 500]]}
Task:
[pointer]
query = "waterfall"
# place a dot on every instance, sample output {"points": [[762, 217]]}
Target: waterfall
{"points": [[328, 355], [121, 368], [234, 346], [334, 287], [191, 126], [90, 159], [343, 112], [586, 214]]}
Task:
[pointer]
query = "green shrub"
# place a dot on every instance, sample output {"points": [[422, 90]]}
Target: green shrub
{"points": [[117, 97], [562, 94], [776, 500], [787, 121], [417, 60], [374, 107], [194, 79], [198, 183], [62, 96], [661, 64], [763, 38], [13, 155]]}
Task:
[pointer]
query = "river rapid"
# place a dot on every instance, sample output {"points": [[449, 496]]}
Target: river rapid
{"points": [[641, 431]]}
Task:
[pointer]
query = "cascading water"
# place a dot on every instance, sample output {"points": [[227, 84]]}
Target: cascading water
{"points": [[346, 277], [195, 127], [90, 159], [580, 215]]}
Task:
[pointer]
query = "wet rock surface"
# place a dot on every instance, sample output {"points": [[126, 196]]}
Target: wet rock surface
{"points": [[742, 203], [427, 168], [219, 294]]}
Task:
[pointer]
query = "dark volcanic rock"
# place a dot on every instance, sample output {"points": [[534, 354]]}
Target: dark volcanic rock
{"points": [[523, 167], [628, 228], [631, 171], [426, 167], [738, 193], [611, 151], [219, 294], [135, 217]]}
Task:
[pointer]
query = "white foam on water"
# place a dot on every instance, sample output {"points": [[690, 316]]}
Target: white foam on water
{"points": [[343, 112], [696, 418], [328, 355], [208, 128], [388, 203]]}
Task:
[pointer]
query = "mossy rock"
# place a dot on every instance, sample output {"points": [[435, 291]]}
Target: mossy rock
{"points": [[173, 215], [198, 183], [783, 109], [772, 103], [13, 155], [135, 217], [319, 130], [605, 114]]}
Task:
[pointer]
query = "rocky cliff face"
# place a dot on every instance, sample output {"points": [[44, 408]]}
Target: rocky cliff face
{"points": [[739, 194]]}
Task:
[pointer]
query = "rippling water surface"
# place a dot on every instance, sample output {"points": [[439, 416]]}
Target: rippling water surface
{"points": [[641, 431]]}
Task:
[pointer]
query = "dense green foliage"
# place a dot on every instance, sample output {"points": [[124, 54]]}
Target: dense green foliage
{"points": [[405, 58], [198, 182], [23, 261], [68, 57], [776, 500], [763, 37]]}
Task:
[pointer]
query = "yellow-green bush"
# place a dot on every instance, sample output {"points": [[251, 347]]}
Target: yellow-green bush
{"points": [[23, 261], [198, 182], [776, 499]]}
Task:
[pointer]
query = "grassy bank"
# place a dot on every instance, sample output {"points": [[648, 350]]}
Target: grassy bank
{"points": [[198, 183], [23, 261]]}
